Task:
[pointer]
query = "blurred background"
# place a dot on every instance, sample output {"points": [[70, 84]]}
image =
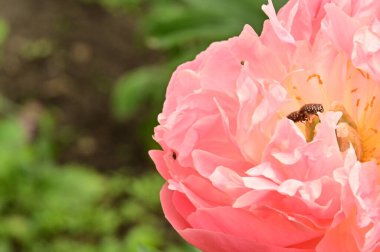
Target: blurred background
{"points": [[81, 85]]}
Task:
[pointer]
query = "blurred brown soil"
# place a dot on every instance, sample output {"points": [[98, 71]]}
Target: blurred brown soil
{"points": [[66, 55]]}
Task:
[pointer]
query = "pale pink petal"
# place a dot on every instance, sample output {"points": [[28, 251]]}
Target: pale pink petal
{"points": [[226, 179], [258, 183], [255, 198], [267, 171], [340, 27], [206, 163], [366, 51], [252, 52], [282, 33], [285, 143], [290, 187]]}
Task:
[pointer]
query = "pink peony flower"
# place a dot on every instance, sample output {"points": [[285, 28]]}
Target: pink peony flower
{"points": [[243, 177]]}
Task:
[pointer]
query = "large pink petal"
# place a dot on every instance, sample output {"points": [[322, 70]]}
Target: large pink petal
{"points": [[281, 32], [264, 226], [206, 163], [339, 238], [209, 241], [158, 158], [340, 27], [171, 204]]}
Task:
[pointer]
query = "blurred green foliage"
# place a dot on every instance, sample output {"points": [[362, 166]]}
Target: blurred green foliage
{"points": [[4, 31], [49, 207], [37, 49], [116, 5], [46, 206]]}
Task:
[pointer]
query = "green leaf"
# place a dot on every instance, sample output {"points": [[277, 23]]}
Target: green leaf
{"points": [[188, 22], [133, 211], [146, 189], [120, 3], [4, 31], [143, 237], [135, 88]]}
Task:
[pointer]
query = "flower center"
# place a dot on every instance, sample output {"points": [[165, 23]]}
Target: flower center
{"points": [[355, 96]]}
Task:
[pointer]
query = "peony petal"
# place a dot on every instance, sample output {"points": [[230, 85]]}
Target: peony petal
{"points": [[266, 170], [279, 29], [195, 187], [340, 238], [290, 187], [226, 179], [255, 199], [336, 20], [366, 51], [206, 163], [262, 226], [157, 157], [209, 241], [285, 142], [177, 220]]}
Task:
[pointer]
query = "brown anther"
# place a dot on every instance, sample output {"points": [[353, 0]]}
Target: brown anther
{"points": [[364, 74], [374, 130], [320, 82], [357, 102], [373, 100], [366, 106], [354, 90]]}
